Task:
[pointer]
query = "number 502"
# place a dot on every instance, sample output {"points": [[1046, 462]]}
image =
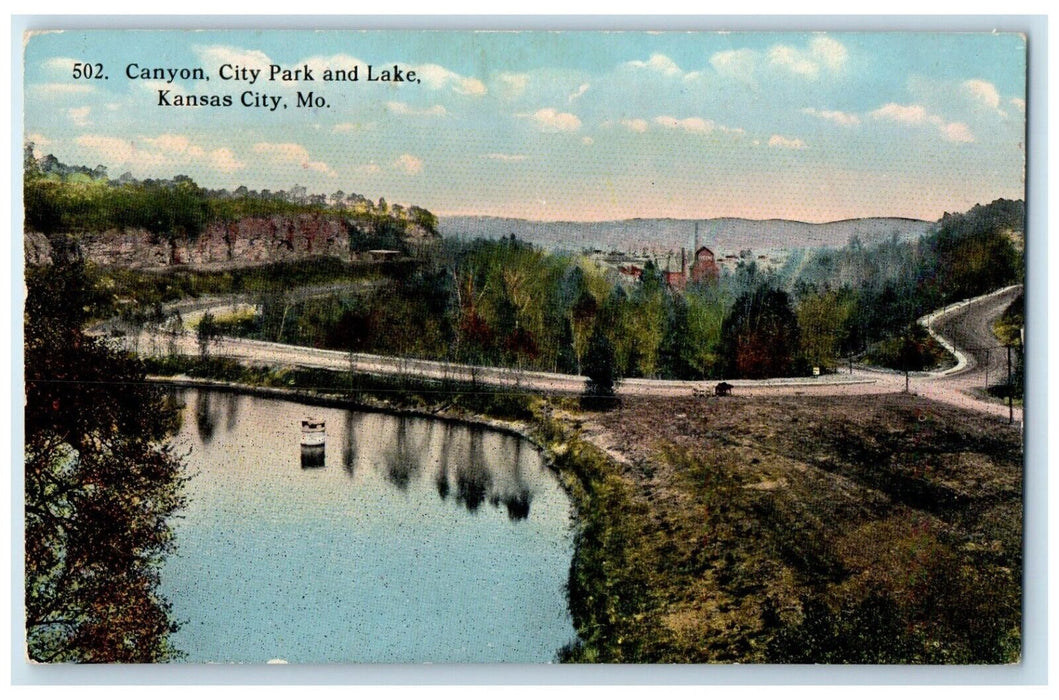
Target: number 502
{"points": [[88, 71]]}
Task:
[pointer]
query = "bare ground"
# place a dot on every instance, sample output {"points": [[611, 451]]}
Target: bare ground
{"points": [[760, 510]]}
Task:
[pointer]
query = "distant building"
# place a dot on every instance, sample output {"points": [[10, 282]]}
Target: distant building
{"points": [[705, 268]]}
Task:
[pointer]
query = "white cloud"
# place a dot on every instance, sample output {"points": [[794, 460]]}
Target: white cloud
{"points": [[983, 92], [958, 132], [61, 63], [696, 125], [409, 164], [175, 143], [587, 140], [793, 60], [39, 140], [213, 57], [165, 152], [637, 125], [224, 160], [777, 141], [368, 169], [79, 115], [840, 118], [740, 63], [905, 114], [438, 77], [551, 120], [292, 154], [824, 53], [407, 110], [829, 52], [505, 157], [123, 152], [658, 62], [1018, 103], [911, 115], [581, 90]]}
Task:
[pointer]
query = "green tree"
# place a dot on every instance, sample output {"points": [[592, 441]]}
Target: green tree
{"points": [[822, 318], [913, 352], [207, 333], [600, 366], [99, 487]]}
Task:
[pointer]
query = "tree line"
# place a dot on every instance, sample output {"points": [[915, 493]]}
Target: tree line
{"points": [[61, 198], [508, 303]]}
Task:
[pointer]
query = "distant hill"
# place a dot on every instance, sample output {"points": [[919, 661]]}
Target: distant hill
{"points": [[726, 234]]}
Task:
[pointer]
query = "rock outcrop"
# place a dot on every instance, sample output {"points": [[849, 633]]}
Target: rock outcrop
{"points": [[249, 241]]}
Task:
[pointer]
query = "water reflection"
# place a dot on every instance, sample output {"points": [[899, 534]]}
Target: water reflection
{"points": [[404, 539], [349, 442], [471, 465], [207, 415], [231, 410], [312, 456]]}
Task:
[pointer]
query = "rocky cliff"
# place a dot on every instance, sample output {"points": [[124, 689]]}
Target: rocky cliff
{"points": [[249, 241]]}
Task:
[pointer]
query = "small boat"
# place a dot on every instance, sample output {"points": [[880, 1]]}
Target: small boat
{"points": [[313, 433]]}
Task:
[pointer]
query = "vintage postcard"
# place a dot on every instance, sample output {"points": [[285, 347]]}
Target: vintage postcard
{"points": [[407, 346]]}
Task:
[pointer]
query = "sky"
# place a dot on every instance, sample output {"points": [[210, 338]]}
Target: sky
{"points": [[585, 126]]}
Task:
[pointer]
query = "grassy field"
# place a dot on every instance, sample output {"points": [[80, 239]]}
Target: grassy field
{"points": [[794, 529]]}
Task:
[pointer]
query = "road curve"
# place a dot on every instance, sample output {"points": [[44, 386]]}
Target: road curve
{"points": [[967, 323]]}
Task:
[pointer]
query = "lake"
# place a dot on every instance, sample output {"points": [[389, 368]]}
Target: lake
{"points": [[408, 540]]}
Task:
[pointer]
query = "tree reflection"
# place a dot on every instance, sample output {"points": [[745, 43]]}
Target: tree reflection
{"points": [[470, 465], [312, 456], [472, 476], [207, 415], [402, 461], [441, 480], [518, 505], [349, 441], [231, 407]]}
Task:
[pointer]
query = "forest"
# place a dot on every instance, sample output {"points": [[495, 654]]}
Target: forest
{"points": [[507, 303]]}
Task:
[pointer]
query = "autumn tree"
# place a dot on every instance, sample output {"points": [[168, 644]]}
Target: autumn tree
{"points": [[760, 337], [99, 487]]}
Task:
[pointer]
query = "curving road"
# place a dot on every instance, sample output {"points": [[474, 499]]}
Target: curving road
{"points": [[966, 328]]}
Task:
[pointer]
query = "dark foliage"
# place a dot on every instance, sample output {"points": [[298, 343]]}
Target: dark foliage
{"points": [[99, 488], [760, 337]]}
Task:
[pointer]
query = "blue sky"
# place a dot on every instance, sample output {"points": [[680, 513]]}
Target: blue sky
{"points": [[563, 125]]}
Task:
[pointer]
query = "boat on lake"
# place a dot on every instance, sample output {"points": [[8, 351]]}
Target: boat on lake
{"points": [[313, 433]]}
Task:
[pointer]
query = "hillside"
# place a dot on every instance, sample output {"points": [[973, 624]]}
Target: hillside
{"points": [[156, 224], [725, 234]]}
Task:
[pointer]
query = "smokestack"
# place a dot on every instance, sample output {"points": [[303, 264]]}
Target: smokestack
{"points": [[696, 250], [683, 263]]}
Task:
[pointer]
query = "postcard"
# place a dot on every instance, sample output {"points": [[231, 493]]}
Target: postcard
{"points": [[526, 347]]}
